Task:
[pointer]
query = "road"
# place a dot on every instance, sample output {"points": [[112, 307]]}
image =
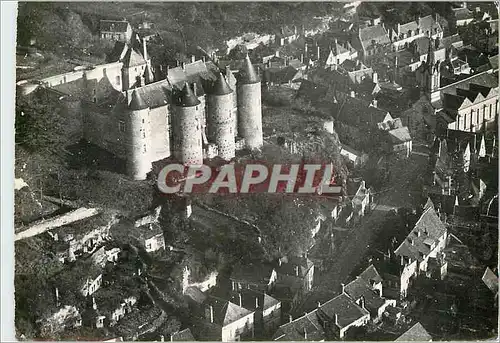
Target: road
{"points": [[402, 192]]}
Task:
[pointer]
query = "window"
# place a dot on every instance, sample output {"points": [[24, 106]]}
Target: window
{"points": [[143, 134], [135, 69], [94, 100], [121, 126], [93, 91], [118, 81], [103, 71], [143, 121]]}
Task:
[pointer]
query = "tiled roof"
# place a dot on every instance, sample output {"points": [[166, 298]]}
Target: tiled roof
{"points": [[251, 299], [452, 102], [281, 75], [454, 40], [289, 264], [355, 112], [184, 336], [345, 308], [400, 135], [233, 313], [429, 226], [371, 274], [429, 23], [252, 273], [137, 103], [133, 58], [462, 13], [305, 328], [117, 53], [114, 26], [186, 97], [153, 95], [415, 333], [375, 33], [221, 87], [360, 288], [195, 294], [247, 73]]}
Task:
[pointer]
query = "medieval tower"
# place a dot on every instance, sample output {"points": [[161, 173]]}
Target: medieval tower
{"points": [[249, 106], [187, 128], [138, 144], [231, 80], [431, 73], [221, 118]]}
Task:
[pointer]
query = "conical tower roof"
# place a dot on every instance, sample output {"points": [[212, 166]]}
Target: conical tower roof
{"points": [[137, 103], [187, 97], [247, 73], [221, 87]]}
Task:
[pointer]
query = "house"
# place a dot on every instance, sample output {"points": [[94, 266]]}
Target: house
{"points": [[427, 239], [361, 197], [337, 55], [267, 310], [362, 291], [341, 313], [403, 34], [286, 35], [416, 333], [373, 278], [371, 40], [260, 277], [82, 237], [182, 336], [358, 113], [305, 328], [288, 76], [354, 157], [115, 30], [400, 141], [461, 16], [293, 270], [226, 321]]}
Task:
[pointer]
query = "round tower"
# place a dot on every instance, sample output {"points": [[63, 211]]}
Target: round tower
{"points": [[231, 80], [249, 106], [187, 130], [220, 118], [138, 145]]}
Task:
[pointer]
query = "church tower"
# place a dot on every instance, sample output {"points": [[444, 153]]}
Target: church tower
{"points": [[431, 73]]}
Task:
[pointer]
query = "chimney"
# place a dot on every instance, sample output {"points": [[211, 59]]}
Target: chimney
{"points": [[144, 49], [336, 318], [319, 304], [318, 53], [57, 297], [402, 260], [305, 334], [211, 314], [183, 65], [94, 305], [297, 270], [194, 89], [343, 287], [295, 29], [232, 285], [399, 30], [240, 299], [290, 318], [353, 94], [375, 78], [256, 302], [193, 58], [302, 58]]}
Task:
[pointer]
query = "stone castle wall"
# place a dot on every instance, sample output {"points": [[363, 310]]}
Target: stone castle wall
{"points": [[221, 124]]}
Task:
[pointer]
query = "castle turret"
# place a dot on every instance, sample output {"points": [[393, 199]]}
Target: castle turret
{"points": [[221, 119], [138, 144], [187, 131], [249, 106], [231, 80]]}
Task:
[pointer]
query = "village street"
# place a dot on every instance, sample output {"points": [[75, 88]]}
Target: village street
{"points": [[354, 248]]}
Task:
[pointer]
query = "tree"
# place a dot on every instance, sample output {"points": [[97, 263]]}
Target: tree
{"points": [[38, 123]]}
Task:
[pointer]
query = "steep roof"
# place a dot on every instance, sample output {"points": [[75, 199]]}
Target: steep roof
{"points": [[234, 312], [360, 288], [137, 103], [247, 74], [355, 111], [251, 299], [415, 333], [426, 232], [252, 273], [371, 274], [133, 58], [119, 49], [345, 308], [220, 86], [289, 266], [305, 328], [152, 95], [400, 135], [187, 97], [114, 26], [184, 336], [376, 33]]}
